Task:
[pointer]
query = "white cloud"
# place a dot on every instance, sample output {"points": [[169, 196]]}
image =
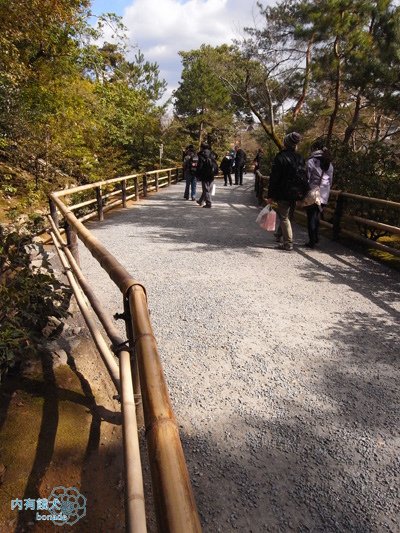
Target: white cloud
{"points": [[161, 28]]}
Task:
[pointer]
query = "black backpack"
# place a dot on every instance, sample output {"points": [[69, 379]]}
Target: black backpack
{"points": [[208, 167], [193, 162], [297, 184]]}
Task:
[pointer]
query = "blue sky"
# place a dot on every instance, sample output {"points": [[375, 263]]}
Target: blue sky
{"points": [[161, 28], [105, 6]]}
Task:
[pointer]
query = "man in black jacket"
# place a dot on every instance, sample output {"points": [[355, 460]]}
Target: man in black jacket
{"points": [[288, 183], [226, 167], [240, 162], [206, 169]]}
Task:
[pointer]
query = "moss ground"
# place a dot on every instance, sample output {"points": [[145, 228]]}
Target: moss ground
{"points": [[55, 433]]}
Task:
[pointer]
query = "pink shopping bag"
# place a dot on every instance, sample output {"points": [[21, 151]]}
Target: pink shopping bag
{"points": [[269, 221]]}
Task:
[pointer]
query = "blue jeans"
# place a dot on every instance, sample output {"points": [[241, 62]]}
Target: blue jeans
{"points": [[313, 218], [190, 184]]}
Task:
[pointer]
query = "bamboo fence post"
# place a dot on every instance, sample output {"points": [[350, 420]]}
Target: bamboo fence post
{"points": [[53, 212], [123, 193], [72, 241], [145, 185], [99, 198], [136, 182], [337, 216], [134, 366], [156, 181], [169, 178]]}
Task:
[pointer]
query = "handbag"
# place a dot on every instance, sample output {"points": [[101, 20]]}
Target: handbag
{"points": [[313, 196]]}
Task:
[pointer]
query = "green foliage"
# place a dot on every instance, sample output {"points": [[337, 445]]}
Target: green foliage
{"points": [[203, 103], [70, 108], [329, 69], [373, 172], [29, 292]]}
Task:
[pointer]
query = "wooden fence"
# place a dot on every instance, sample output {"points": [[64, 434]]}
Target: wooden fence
{"points": [[94, 199], [138, 374]]}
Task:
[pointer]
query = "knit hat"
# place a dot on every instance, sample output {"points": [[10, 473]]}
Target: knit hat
{"points": [[291, 139]]}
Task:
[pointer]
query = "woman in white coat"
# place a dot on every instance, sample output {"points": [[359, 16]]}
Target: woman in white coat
{"points": [[320, 174]]}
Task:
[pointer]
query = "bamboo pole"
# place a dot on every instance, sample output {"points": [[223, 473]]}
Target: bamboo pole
{"points": [[105, 352], [174, 501], [99, 199], [371, 244], [373, 224], [378, 201], [175, 505], [123, 193], [134, 492], [72, 241]]}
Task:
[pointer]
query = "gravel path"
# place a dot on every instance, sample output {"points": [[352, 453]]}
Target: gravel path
{"points": [[283, 368]]}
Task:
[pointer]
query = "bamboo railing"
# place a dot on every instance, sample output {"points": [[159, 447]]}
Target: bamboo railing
{"points": [[139, 375], [343, 221]]}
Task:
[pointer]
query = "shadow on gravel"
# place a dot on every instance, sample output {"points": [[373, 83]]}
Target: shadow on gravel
{"points": [[371, 282], [229, 224], [365, 384], [294, 475]]}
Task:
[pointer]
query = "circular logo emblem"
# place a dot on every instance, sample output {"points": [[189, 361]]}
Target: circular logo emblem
{"points": [[67, 502]]}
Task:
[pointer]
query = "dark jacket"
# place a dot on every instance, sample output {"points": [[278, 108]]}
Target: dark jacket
{"points": [[288, 180], [240, 158], [226, 164], [203, 171], [257, 160], [187, 166]]}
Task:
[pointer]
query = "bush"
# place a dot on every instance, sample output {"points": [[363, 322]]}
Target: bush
{"points": [[371, 172], [29, 292]]}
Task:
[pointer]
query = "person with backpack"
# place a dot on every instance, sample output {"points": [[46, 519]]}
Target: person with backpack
{"points": [[240, 162], [226, 167], [287, 184], [320, 175], [189, 172], [207, 168]]}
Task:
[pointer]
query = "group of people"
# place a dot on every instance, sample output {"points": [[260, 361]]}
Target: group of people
{"points": [[290, 180], [234, 161], [203, 167], [291, 177]]}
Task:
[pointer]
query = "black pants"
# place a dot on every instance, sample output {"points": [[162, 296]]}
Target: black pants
{"points": [[206, 187], [313, 217], [239, 174], [227, 176]]}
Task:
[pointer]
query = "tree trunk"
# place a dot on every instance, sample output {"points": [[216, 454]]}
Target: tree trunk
{"points": [[201, 127], [337, 91], [356, 117], [301, 100], [378, 127]]}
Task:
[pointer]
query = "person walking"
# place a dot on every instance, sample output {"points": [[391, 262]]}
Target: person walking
{"points": [[240, 162], [257, 172], [190, 162], [319, 174], [207, 168], [288, 183], [226, 167]]}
